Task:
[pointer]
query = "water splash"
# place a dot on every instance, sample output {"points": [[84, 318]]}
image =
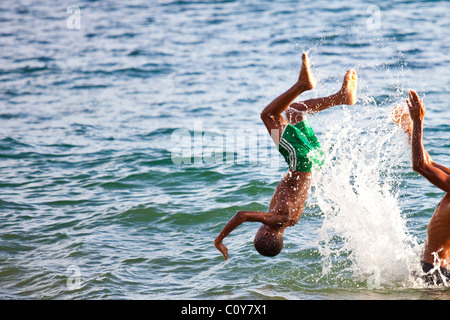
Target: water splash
{"points": [[364, 231]]}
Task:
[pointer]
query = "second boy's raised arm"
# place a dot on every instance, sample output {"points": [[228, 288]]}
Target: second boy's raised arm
{"points": [[436, 174]]}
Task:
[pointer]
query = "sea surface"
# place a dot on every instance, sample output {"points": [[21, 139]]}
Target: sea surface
{"points": [[130, 134]]}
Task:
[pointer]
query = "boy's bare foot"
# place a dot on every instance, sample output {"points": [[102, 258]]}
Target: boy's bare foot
{"points": [[348, 89], [402, 119], [305, 79]]}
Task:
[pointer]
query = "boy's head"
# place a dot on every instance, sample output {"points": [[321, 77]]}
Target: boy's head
{"points": [[268, 241]]}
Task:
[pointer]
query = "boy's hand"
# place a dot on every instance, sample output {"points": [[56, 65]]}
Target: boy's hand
{"points": [[222, 248], [416, 106]]}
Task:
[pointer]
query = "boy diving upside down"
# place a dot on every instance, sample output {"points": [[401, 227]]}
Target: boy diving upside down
{"points": [[301, 150]]}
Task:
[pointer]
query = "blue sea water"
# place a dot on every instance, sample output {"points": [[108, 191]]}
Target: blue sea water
{"points": [[130, 134]]}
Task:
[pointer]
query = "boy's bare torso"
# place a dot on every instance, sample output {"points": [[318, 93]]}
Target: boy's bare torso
{"points": [[289, 197], [438, 239]]}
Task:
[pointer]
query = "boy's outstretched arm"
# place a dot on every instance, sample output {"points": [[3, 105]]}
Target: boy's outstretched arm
{"points": [[436, 174], [241, 217]]}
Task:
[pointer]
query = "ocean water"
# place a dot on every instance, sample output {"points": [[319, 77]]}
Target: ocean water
{"points": [[130, 134]]}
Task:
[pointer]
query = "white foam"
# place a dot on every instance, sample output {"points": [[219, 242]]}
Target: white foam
{"points": [[363, 228]]}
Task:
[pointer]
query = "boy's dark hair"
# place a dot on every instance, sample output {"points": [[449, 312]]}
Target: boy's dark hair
{"points": [[268, 243]]}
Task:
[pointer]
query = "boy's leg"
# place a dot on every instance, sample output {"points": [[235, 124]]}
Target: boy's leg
{"points": [[346, 95], [272, 113]]}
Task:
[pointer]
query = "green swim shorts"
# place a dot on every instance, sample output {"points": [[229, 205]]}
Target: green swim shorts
{"points": [[300, 148]]}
